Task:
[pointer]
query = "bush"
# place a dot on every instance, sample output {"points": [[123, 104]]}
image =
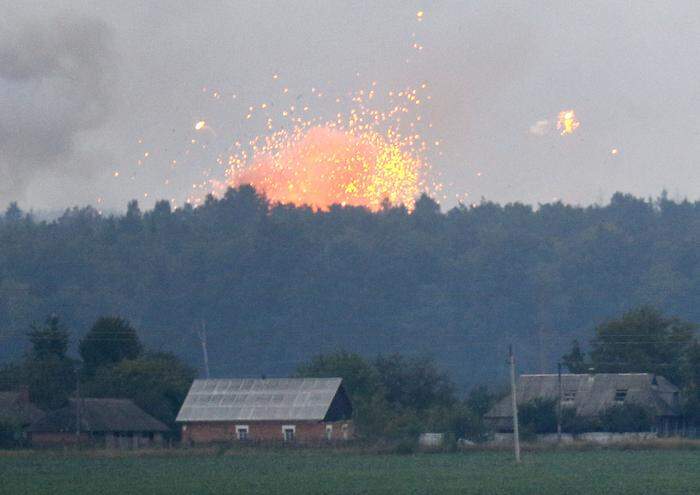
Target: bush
{"points": [[538, 416], [406, 447], [10, 434], [626, 418], [575, 424]]}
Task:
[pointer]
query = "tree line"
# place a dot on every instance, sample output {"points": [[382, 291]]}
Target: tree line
{"points": [[277, 284], [399, 397], [113, 364], [394, 396]]}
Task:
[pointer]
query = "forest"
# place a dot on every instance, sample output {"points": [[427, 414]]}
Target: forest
{"points": [[273, 285]]}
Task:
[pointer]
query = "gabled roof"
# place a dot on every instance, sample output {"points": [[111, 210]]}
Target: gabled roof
{"points": [[99, 416], [16, 410], [259, 399], [593, 393]]}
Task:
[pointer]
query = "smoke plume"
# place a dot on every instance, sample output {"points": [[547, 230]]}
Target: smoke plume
{"points": [[54, 82]]}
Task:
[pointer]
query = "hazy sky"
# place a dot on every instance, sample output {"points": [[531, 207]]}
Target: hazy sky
{"points": [[81, 82]]}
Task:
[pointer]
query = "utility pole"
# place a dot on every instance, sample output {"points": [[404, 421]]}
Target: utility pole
{"points": [[203, 340], [559, 410], [514, 399], [77, 407]]}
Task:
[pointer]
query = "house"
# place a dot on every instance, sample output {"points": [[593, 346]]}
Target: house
{"points": [[106, 422], [17, 412], [268, 410], [591, 394], [16, 408]]}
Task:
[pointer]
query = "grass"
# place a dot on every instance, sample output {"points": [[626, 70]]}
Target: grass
{"points": [[327, 472]]}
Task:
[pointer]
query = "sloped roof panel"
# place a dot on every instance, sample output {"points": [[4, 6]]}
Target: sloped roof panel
{"points": [[593, 393], [249, 399], [99, 415]]}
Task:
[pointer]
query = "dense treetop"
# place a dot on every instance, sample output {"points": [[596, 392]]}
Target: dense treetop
{"points": [[277, 284]]}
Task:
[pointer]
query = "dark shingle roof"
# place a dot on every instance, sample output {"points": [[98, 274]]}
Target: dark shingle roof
{"points": [[99, 415], [593, 393], [16, 410], [259, 399]]}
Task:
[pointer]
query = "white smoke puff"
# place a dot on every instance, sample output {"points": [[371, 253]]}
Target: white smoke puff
{"points": [[54, 81], [540, 128]]}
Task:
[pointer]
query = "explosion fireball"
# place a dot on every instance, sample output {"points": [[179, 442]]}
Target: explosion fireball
{"points": [[321, 166], [361, 157]]}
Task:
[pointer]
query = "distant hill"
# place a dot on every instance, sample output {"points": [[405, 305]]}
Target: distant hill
{"points": [[277, 284]]}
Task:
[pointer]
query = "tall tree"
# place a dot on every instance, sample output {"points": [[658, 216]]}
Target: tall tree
{"points": [[575, 360], [109, 341], [49, 371], [642, 340], [359, 377], [414, 382]]}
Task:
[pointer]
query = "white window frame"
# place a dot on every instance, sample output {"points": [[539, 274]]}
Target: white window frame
{"points": [[284, 432], [241, 428], [329, 432]]}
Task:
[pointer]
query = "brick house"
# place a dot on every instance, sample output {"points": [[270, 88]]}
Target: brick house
{"points": [[111, 423], [306, 410]]}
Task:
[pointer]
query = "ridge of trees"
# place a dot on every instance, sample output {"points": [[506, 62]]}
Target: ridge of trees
{"points": [[277, 284]]}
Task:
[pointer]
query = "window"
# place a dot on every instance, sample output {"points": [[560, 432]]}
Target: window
{"points": [[569, 396], [329, 432], [242, 432], [620, 394], [346, 432], [288, 432]]}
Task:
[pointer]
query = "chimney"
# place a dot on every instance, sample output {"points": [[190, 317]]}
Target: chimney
{"points": [[591, 374]]}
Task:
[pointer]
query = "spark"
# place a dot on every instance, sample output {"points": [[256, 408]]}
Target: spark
{"points": [[567, 123], [614, 151], [200, 125]]}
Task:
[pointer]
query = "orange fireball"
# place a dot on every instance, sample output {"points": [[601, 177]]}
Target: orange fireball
{"points": [[322, 166]]}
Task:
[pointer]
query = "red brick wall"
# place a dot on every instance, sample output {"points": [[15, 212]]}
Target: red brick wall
{"points": [[265, 431], [52, 439]]}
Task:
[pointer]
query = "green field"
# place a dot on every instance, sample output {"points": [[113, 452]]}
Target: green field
{"points": [[318, 472]]}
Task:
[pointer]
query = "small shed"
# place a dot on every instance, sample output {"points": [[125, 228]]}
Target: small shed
{"points": [[108, 422], [269, 410], [591, 394]]}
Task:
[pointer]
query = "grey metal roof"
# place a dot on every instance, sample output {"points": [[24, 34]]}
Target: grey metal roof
{"points": [[99, 415], [248, 399], [595, 392]]}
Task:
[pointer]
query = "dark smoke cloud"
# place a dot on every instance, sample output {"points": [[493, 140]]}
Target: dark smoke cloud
{"points": [[54, 83]]}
